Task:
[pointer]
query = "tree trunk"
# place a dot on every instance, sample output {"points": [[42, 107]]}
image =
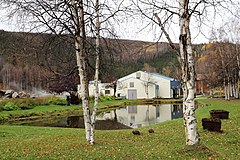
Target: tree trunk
{"points": [[226, 75], [188, 76], [186, 61], [96, 74], [80, 44], [225, 89], [238, 69]]}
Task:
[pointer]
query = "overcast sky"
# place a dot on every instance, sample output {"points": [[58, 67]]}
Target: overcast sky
{"points": [[133, 28]]}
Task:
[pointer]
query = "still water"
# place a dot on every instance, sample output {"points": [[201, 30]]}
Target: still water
{"points": [[121, 118], [143, 115]]}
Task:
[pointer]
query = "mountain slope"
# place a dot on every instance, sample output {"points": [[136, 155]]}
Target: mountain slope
{"points": [[34, 60]]}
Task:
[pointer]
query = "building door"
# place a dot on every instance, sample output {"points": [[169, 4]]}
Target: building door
{"points": [[175, 93], [132, 94]]}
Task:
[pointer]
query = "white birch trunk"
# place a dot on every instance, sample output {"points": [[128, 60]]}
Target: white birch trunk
{"points": [[188, 76], [236, 91], [225, 89], [231, 89], [228, 89], [96, 94], [238, 67], [226, 74], [80, 40], [235, 85]]}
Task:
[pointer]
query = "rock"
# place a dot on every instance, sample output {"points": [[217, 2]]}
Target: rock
{"points": [[136, 132], [15, 95], [151, 130], [2, 93], [9, 92], [23, 94]]}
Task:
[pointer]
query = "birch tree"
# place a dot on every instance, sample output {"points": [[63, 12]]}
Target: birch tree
{"points": [[186, 60], [74, 18], [228, 34], [166, 13], [148, 82], [188, 74], [96, 79]]}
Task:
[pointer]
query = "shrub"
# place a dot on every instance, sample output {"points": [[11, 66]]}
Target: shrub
{"points": [[27, 103], [56, 101], [106, 98], [10, 106], [30, 103], [60, 101]]}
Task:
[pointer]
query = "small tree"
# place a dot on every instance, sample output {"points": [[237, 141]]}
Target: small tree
{"points": [[148, 82]]}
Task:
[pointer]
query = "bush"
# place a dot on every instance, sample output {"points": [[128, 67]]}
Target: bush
{"points": [[1, 108], [27, 103], [30, 103], [10, 106], [105, 98], [56, 101]]}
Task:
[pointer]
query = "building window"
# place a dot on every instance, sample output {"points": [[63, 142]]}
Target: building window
{"points": [[131, 84], [107, 91]]}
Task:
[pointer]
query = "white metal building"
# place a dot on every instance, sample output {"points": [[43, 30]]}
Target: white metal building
{"points": [[145, 85]]}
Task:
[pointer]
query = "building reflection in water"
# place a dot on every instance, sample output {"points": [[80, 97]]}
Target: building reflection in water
{"points": [[143, 115]]}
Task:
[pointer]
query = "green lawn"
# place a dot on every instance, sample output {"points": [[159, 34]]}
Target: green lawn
{"points": [[37, 111], [23, 142]]}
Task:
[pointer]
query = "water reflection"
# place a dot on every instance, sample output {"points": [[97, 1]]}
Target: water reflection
{"points": [[122, 118], [143, 115]]}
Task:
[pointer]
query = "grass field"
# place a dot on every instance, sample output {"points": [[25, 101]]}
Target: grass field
{"points": [[168, 141]]}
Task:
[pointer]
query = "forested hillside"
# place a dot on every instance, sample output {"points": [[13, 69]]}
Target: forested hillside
{"points": [[34, 60], [219, 67]]}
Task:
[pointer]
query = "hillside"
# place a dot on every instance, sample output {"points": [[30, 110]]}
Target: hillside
{"points": [[34, 60]]}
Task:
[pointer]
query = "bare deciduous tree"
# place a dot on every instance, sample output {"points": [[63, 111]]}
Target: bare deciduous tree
{"points": [[228, 50], [74, 18], [164, 13]]}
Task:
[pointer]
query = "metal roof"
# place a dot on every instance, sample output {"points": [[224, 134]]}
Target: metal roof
{"points": [[154, 74]]}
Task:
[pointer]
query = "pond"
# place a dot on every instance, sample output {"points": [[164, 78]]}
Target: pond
{"points": [[122, 118]]}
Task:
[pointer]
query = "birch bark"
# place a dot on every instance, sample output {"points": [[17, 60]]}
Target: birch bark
{"points": [[186, 61], [80, 45], [188, 75], [226, 79], [238, 66], [96, 94]]}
